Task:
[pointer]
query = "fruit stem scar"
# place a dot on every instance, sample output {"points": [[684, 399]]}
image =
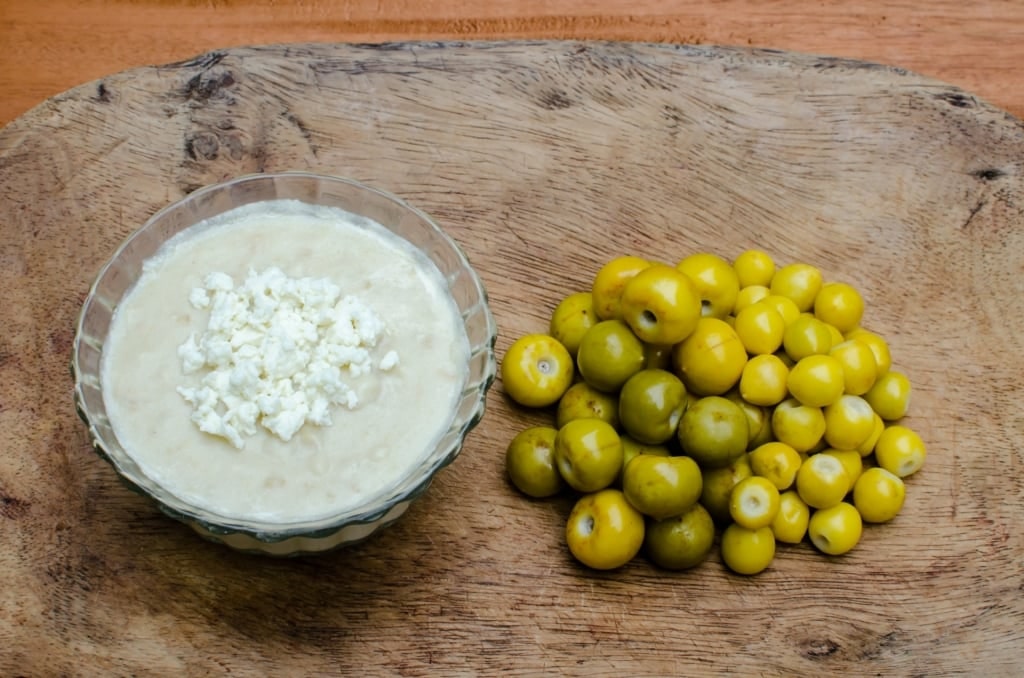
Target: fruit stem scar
{"points": [[587, 526]]}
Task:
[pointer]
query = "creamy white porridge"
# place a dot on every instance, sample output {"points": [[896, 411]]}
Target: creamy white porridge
{"points": [[396, 393]]}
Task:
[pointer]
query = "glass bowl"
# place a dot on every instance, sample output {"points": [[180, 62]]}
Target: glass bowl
{"points": [[117, 277]]}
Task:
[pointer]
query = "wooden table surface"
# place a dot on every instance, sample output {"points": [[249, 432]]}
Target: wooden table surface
{"points": [[910, 187], [48, 47]]}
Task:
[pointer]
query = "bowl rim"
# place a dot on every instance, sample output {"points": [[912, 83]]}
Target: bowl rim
{"points": [[407, 488]]}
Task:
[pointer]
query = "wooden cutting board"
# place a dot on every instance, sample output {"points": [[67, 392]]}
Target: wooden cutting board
{"points": [[543, 160]]}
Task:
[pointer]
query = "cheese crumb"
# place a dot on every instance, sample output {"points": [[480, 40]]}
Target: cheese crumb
{"points": [[389, 361], [278, 353]]}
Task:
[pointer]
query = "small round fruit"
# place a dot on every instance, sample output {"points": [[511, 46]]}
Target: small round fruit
{"points": [[790, 524], [572, 317], [530, 462], [750, 295], [800, 282], [840, 305], [799, 426], [879, 347], [609, 282], [805, 336], [858, 362], [785, 306], [900, 450], [849, 421], [588, 454], [835, 530], [661, 305], [632, 448], [609, 354], [718, 484], [760, 328], [710, 360], [851, 461], [776, 462], [747, 551], [583, 401], [879, 495], [714, 431], [890, 395], [680, 542], [715, 280], [763, 380], [816, 380], [536, 370], [651, 403], [837, 336], [868, 446], [660, 487], [759, 424], [822, 481], [754, 267], [604, 531], [754, 502]]}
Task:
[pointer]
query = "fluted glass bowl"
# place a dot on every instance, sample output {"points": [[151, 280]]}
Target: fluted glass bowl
{"points": [[118, 276]]}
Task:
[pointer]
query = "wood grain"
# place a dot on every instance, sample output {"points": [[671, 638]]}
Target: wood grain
{"points": [[543, 160], [52, 46]]}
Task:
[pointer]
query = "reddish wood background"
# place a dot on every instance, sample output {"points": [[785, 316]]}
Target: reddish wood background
{"points": [[48, 47], [924, 209]]}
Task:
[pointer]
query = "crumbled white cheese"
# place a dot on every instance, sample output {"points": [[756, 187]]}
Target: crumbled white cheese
{"points": [[389, 361], [278, 351]]}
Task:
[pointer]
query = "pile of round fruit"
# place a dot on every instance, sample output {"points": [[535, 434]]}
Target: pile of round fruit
{"points": [[742, 396]]}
